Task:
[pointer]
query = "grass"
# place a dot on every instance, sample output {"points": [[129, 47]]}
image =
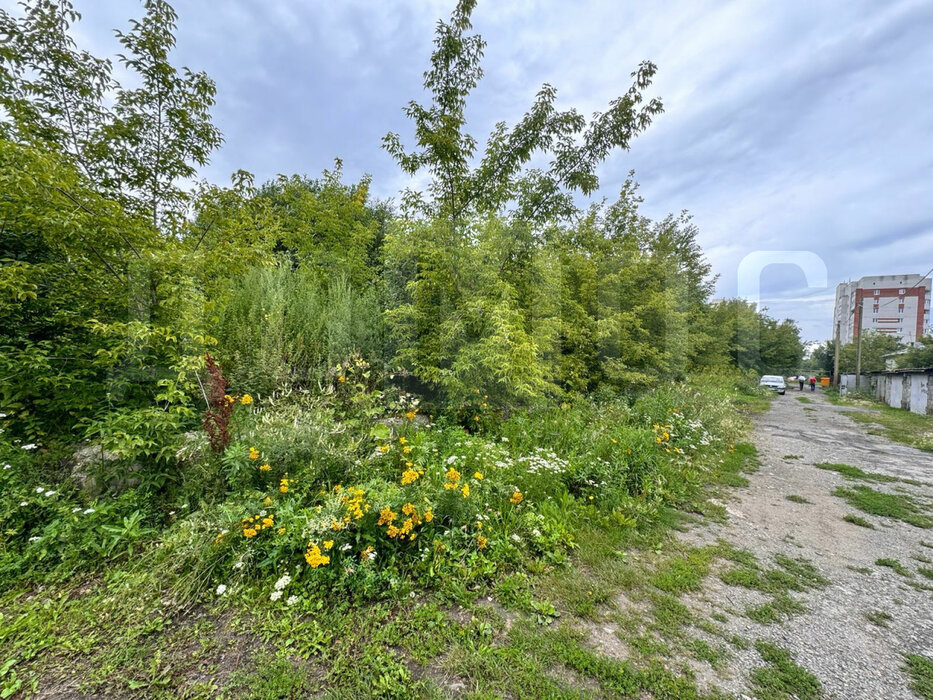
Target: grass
{"points": [[859, 569], [898, 425], [794, 498], [804, 399], [782, 678], [920, 671], [878, 617], [857, 520], [894, 564], [925, 571], [789, 457], [854, 473], [898, 506]]}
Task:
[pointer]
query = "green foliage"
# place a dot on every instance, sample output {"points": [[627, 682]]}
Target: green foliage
{"points": [[782, 678], [920, 670], [889, 505], [918, 355]]}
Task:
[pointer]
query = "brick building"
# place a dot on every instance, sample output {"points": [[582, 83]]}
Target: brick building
{"points": [[897, 305]]}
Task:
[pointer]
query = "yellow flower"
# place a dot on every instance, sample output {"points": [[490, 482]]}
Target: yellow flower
{"points": [[465, 490], [267, 522], [264, 468], [338, 488], [384, 448], [476, 418], [410, 415], [367, 554], [249, 532], [452, 475], [481, 541], [428, 515], [268, 502], [406, 449], [246, 400], [328, 544], [408, 476], [386, 516], [402, 440], [478, 476], [341, 378], [228, 398], [253, 453], [280, 531], [284, 483], [516, 498], [408, 508], [314, 557]]}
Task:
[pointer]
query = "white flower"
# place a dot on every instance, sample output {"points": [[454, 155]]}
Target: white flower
{"points": [[262, 514], [371, 555], [2, 415], [505, 439], [30, 446], [516, 538], [34, 539], [88, 511], [451, 459], [345, 547], [282, 582], [23, 504], [75, 510], [275, 595], [221, 589], [292, 599], [50, 493], [39, 489], [238, 565], [7, 466]]}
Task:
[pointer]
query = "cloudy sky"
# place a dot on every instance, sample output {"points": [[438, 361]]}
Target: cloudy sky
{"points": [[788, 126]]}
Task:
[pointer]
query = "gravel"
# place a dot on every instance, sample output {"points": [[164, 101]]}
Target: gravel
{"points": [[852, 657]]}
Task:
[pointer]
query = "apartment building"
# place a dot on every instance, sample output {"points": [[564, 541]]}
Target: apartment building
{"points": [[898, 305]]}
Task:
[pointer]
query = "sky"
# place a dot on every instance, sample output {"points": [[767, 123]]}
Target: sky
{"points": [[788, 126]]}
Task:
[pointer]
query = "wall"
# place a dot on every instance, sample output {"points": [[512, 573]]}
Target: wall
{"points": [[908, 389]]}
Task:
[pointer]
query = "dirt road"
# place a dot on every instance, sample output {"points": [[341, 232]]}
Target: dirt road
{"points": [[856, 629]]}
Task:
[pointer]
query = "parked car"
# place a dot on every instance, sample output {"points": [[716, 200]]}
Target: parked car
{"points": [[774, 383]]}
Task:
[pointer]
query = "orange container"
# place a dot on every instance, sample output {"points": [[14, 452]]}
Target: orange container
{"points": [[824, 381]]}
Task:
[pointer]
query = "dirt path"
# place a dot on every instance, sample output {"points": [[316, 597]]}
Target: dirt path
{"points": [[852, 656]]}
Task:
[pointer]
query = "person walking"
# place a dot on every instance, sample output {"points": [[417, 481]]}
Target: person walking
{"points": [[812, 383], [801, 379]]}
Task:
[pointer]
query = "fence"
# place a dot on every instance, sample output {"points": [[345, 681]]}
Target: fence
{"points": [[911, 389]]}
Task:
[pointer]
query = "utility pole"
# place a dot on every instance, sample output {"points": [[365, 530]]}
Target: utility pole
{"points": [[836, 357], [858, 350]]}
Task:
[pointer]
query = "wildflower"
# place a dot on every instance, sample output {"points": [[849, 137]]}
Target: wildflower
{"points": [[50, 493], [292, 599], [40, 489], [282, 582], [516, 537], [410, 415], [268, 501], [24, 504], [30, 446], [402, 440], [328, 544], [481, 542], [408, 508], [345, 547], [238, 565], [453, 476], [267, 522], [284, 483], [338, 488], [314, 557], [465, 490], [406, 449], [428, 515], [221, 589], [384, 448], [478, 476], [264, 468], [368, 554], [516, 498], [275, 595], [408, 476], [35, 538], [253, 453], [280, 531], [386, 516], [246, 400], [228, 398], [250, 532], [341, 379]]}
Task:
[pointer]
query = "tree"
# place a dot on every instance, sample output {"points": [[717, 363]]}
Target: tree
{"points": [[875, 346], [919, 355]]}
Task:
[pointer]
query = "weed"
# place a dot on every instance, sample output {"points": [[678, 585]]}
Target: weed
{"points": [[854, 473], [794, 498], [782, 678], [857, 520], [790, 457], [920, 670], [921, 558], [780, 608], [899, 507], [878, 617], [925, 571], [895, 565], [804, 399], [859, 569]]}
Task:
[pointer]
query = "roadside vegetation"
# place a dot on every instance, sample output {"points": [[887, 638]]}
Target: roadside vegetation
{"points": [[271, 440]]}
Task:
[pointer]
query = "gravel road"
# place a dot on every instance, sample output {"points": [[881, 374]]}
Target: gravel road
{"points": [[852, 657]]}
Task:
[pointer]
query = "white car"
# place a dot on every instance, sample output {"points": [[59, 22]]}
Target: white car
{"points": [[774, 383]]}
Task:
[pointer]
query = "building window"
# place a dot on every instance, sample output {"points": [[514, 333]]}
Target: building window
{"points": [[877, 292], [902, 291]]}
